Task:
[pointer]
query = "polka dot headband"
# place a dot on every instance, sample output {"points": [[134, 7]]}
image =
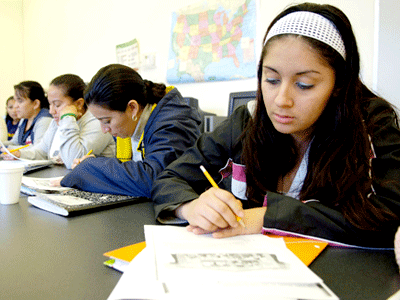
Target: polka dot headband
{"points": [[312, 25]]}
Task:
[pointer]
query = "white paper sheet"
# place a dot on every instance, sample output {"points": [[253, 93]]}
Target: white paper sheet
{"points": [[138, 280], [183, 256], [141, 280]]}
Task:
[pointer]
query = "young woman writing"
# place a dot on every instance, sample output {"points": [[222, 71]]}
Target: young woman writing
{"points": [[159, 123], [74, 131], [318, 155]]}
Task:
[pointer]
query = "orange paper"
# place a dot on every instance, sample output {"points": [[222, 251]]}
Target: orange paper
{"points": [[305, 249], [126, 253]]}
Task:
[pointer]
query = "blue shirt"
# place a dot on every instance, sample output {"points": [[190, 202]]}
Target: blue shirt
{"points": [[11, 128]]}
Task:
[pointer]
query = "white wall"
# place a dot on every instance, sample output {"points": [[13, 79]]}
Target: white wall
{"points": [[11, 49], [387, 51], [79, 37]]}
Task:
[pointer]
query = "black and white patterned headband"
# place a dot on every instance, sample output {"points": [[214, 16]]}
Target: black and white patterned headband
{"points": [[312, 25]]}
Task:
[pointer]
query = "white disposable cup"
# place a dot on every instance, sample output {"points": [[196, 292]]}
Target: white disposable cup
{"points": [[10, 182]]}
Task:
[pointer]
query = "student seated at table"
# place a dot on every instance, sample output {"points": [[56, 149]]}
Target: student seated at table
{"points": [[160, 124], [74, 131], [12, 118], [318, 155], [32, 108]]}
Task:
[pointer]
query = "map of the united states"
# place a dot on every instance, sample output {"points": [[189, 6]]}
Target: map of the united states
{"points": [[213, 43]]}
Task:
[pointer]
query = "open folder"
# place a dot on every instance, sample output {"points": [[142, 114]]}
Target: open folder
{"points": [[121, 257], [305, 249]]}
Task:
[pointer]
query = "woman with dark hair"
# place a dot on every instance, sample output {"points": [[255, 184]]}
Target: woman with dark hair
{"points": [[32, 108], [317, 155], [74, 131], [12, 119], [158, 122]]}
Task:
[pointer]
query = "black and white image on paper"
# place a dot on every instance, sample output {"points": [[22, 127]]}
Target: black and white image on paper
{"points": [[227, 261]]}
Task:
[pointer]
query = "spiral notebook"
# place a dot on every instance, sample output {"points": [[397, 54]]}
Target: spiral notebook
{"points": [[66, 202]]}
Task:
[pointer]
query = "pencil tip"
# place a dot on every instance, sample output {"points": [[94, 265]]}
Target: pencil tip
{"points": [[240, 221]]}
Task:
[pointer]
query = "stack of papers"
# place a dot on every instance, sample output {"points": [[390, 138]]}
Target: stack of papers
{"points": [[177, 264]]}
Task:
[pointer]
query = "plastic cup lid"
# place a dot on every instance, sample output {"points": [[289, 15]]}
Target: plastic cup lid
{"points": [[11, 166]]}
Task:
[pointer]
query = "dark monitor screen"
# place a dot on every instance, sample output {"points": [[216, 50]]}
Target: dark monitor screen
{"points": [[239, 98]]}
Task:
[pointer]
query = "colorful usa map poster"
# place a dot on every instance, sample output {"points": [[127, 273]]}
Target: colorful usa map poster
{"points": [[213, 41]]}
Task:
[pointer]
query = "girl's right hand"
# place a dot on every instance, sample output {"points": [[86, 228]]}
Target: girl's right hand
{"points": [[215, 209]]}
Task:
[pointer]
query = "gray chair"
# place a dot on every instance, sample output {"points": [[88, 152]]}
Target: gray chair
{"points": [[239, 98], [236, 99]]}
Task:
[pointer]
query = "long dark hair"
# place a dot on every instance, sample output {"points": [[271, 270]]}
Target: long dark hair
{"points": [[339, 157], [72, 85], [32, 90], [115, 85]]}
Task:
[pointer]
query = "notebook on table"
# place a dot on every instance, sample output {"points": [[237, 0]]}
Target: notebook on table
{"points": [[66, 202]]}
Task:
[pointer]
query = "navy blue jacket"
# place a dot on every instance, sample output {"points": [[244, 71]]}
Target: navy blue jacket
{"points": [[172, 127], [23, 135]]}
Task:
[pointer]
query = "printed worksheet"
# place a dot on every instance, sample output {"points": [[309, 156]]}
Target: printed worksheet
{"points": [[184, 256]]}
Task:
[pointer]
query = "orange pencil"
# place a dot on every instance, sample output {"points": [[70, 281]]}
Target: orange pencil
{"points": [[16, 149]]}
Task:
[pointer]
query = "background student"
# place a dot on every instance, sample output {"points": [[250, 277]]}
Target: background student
{"points": [[12, 118], [159, 123], [74, 131], [32, 108], [318, 155]]}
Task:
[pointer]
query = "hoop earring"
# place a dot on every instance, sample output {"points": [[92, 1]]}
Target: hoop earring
{"points": [[134, 118]]}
